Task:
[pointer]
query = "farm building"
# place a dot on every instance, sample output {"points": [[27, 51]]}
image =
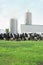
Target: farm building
{"points": [[28, 27]]}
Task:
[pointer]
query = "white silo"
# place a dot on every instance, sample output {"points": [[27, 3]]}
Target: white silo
{"points": [[28, 18], [13, 26]]}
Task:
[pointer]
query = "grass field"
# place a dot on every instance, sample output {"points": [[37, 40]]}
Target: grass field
{"points": [[21, 52]]}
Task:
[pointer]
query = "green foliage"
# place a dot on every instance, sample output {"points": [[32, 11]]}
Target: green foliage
{"points": [[7, 30], [21, 52]]}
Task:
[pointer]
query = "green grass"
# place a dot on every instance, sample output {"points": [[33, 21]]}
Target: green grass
{"points": [[21, 52]]}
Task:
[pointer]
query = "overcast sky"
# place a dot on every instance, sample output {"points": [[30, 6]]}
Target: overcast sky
{"points": [[17, 8]]}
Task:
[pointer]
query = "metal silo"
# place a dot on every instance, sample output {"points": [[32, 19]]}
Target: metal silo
{"points": [[13, 26], [28, 18]]}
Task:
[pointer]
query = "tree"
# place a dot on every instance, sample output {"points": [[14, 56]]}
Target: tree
{"points": [[7, 30]]}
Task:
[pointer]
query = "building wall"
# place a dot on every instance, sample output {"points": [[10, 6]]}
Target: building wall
{"points": [[2, 31], [13, 26], [31, 28]]}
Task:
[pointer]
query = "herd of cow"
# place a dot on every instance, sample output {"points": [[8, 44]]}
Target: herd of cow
{"points": [[23, 36]]}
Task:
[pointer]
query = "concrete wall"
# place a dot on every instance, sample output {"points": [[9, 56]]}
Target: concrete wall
{"points": [[31, 28]]}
